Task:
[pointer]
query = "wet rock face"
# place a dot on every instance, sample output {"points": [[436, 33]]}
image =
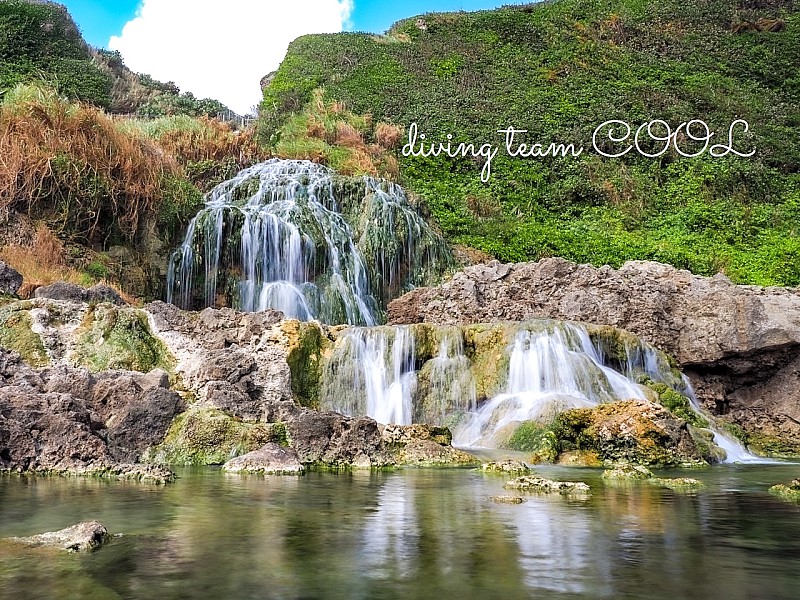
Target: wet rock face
{"points": [[739, 345], [61, 418], [10, 280]]}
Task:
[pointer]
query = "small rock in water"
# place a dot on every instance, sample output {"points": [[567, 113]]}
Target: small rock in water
{"points": [[789, 492], [506, 466], [537, 484], [82, 537], [627, 471], [270, 459], [679, 483], [508, 499]]}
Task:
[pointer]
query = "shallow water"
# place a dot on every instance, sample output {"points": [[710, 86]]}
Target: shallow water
{"points": [[427, 534]]}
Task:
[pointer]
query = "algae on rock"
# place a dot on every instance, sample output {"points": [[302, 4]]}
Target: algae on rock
{"points": [[17, 335], [207, 436], [111, 337]]}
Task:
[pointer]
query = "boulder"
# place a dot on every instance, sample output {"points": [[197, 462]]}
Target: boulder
{"points": [[83, 537], [10, 280], [70, 292], [739, 345], [506, 467], [270, 459]]}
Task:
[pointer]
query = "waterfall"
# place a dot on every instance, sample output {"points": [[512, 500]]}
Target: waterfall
{"points": [[288, 235], [452, 384], [373, 373], [550, 370]]}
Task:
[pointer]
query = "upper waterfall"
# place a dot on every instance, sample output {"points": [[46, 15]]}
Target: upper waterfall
{"points": [[290, 235]]}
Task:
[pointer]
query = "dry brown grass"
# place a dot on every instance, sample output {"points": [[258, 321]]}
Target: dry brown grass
{"points": [[388, 136], [72, 163], [212, 140]]}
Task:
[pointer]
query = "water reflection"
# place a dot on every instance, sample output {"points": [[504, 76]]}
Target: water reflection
{"points": [[415, 534]]}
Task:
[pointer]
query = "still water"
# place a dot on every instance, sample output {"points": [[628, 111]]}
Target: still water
{"points": [[415, 534]]}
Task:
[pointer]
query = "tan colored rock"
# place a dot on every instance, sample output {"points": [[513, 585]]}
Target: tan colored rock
{"points": [[83, 537]]}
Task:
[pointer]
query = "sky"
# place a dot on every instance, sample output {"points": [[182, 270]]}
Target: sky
{"points": [[222, 49]]}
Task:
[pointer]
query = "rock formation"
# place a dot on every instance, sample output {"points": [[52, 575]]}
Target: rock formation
{"points": [[739, 345]]}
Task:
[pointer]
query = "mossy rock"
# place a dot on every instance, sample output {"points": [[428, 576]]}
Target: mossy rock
{"points": [[506, 467], [790, 492], [535, 438], [704, 441], [678, 404], [207, 436], [679, 484], [17, 335], [119, 338], [628, 472], [307, 346], [486, 346], [771, 445]]}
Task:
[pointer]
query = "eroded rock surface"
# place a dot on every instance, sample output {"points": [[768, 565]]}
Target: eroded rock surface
{"points": [[740, 345], [270, 459], [83, 537]]}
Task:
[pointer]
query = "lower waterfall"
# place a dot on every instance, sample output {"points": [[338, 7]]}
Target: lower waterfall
{"points": [[529, 372]]}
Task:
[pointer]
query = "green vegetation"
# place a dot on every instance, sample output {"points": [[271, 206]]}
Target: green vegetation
{"points": [[207, 436], [537, 439], [114, 338], [16, 335], [559, 69], [40, 42]]}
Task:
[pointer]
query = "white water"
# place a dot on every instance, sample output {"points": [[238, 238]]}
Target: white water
{"points": [[452, 384], [735, 452], [374, 376], [550, 371], [274, 237]]}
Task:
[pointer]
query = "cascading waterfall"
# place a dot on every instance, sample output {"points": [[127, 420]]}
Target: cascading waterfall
{"points": [[373, 374], [452, 385], [285, 234], [550, 370]]}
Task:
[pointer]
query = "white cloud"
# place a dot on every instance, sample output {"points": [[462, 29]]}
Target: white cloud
{"points": [[221, 49]]}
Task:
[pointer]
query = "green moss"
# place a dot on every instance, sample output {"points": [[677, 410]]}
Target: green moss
{"points": [[535, 438], [677, 404], [772, 445], [207, 436], [119, 338], [679, 484], [305, 358], [790, 492], [16, 334]]}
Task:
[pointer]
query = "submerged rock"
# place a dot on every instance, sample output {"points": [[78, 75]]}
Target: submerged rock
{"points": [[538, 484], [270, 459], [790, 492], [507, 499], [83, 537], [506, 466], [627, 471]]}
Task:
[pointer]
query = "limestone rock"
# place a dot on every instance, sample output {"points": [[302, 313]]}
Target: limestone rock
{"points": [[10, 280], [70, 292], [507, 499], [83, 537], [627, 471], [538, 484], [789, 492], [632, 431], [679, 484], [506, 466], [739, 345], [270, 459]]}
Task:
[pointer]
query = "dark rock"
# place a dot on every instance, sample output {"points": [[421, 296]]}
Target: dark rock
{"points": [[335, 440], [271, 459], [83, 537], [70, 292], [10, 280]]}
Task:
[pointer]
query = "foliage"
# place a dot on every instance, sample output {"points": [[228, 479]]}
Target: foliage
{"points": [[559, 69], [40, 42]]}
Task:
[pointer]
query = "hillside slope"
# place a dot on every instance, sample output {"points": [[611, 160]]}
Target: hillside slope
{"points": [[558, 70]]}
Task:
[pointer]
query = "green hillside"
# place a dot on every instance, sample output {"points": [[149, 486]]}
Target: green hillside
{"points": [[559, 69]]}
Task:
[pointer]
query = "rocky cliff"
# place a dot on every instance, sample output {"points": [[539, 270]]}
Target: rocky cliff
{"points": [[739, 345]]}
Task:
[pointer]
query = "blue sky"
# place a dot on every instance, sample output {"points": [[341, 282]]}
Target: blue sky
{"points": [[100, 20], [222, 49]]}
